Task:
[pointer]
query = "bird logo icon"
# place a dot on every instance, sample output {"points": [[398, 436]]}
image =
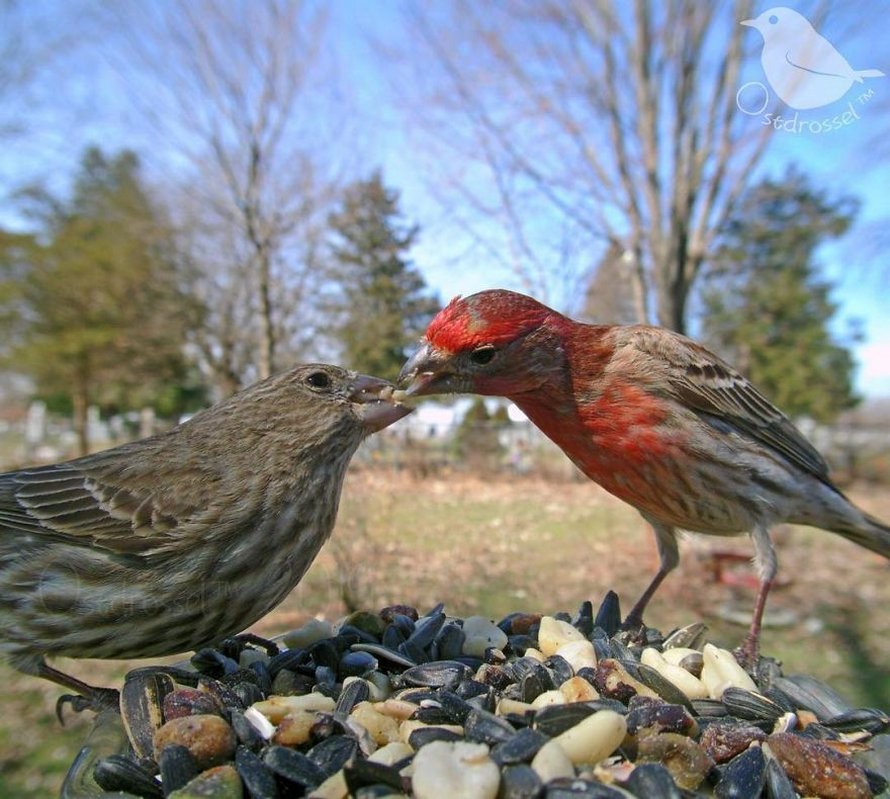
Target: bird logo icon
{"points": [[804, 69]]}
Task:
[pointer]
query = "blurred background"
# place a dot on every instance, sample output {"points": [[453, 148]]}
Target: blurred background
{"points": [[196, 194]]}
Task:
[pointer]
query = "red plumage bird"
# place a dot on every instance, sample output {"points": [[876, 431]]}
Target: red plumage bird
{"points": [[654, 418]]}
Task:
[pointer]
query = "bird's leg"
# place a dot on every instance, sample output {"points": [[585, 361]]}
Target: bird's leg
{"points": [[669, 557], [87, 697], [767, 565], [749, 652], [634, 619]]}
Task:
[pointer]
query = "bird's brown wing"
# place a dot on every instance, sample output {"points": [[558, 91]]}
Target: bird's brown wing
{"points": [[65, 502], [703, 381]]}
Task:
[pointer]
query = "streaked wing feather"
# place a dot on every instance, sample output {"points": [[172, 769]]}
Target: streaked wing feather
{"points": [[64, 502], [708, 384]]}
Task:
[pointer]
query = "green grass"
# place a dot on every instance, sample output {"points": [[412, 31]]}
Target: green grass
{"points": [[491, 547]]}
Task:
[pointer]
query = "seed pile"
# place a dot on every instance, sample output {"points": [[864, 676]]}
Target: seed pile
{"points": [[394, 704]]}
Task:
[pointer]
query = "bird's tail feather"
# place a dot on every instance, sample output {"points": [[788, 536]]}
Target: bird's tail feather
{"points": [[873, 535], [868, 73]]}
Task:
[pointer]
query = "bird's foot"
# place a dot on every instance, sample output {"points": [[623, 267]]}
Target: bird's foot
{"points": [[188, 677], [633, 629], [236, 643], [96, 699], [748, 654], [85, 697], [633, 621]]}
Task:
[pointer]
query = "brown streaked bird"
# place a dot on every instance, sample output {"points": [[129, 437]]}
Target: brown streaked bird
{"points": [[654, 418], [180, 540]]}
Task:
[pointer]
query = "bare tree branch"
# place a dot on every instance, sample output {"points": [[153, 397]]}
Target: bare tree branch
{"points": [[231, 88], [615, 121]]}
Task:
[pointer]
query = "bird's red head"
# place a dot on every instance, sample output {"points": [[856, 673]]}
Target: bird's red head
{"points": [[480, 344], [495, 317]]}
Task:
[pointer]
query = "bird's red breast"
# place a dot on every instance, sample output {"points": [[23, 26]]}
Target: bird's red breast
{"points": [[615, 430]]}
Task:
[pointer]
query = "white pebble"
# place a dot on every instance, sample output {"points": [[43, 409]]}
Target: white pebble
{"points": [[458, 770], [553, 633], [276, 708], [482, 633], [537, 654], [382, 729], [312, 631], [259, 722], [399, 709], [721, 671], [593, 738], [577, 689], [690, 685], [551, 762], [614, 676], [391, 753], [579, 654], [678, 653], [295, 727], [507, 705], [547, 698]]}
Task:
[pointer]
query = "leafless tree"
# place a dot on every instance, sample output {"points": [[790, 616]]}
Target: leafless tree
{"points": [[609, 298], [230, 90], [581, 125], [38, 46], [21, 58]]}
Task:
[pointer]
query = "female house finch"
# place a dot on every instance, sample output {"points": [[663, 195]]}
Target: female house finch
{"points": [[182, 539], [651, 416]]}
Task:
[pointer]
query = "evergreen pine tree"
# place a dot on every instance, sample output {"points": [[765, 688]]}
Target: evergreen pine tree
{"points": [[382, 305], [93, 304], [767, 308]]}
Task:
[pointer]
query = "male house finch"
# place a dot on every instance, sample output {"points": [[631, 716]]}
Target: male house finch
{"points": [[651, 416], [179, 540]]}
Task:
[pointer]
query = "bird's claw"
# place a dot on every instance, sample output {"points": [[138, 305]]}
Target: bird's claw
{"points": [[78, 705], [98, 700], [633, 629], [747, 655]]}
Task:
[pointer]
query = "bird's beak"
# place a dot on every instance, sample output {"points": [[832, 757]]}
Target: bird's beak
{"points": [[429, 372], [751, 23], [375, 404]]}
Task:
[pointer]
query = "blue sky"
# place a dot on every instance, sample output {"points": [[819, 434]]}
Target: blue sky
{"points": [[853, 160]]}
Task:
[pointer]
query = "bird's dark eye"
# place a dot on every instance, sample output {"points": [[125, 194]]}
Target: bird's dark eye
{"points": [[482, 355], [773, 19], [319, 380]]}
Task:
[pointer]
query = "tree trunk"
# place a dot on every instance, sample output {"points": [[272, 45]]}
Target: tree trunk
{"points": [[80, 401], [637, 104], [266, 354]]}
